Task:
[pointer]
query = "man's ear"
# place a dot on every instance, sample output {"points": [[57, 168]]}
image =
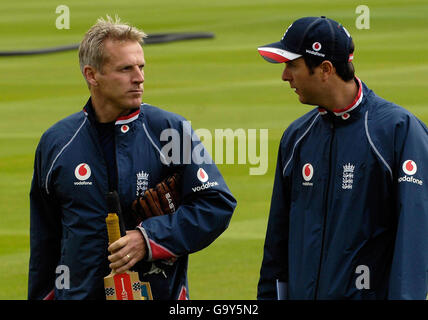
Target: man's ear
{"points": [[90, 75], [327, 69]]}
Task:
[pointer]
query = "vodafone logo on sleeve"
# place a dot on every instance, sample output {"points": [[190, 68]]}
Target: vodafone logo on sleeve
{"points": [[82, 173], [410, 168], [202, 176]]}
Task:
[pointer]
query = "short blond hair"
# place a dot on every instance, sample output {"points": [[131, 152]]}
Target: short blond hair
{"points": [[91, 49]]}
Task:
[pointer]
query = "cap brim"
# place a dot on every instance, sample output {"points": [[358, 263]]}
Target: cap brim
{"points": [[275, 53]]}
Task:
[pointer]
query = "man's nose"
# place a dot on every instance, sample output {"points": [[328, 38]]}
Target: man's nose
{"points": [[139, 75], [286, 76]]}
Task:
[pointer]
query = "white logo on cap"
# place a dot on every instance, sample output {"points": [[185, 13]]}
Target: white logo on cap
{"points": [[316, 46]]}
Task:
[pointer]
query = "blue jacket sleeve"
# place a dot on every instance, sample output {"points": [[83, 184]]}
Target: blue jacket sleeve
{"points": [[274, 269], [409, 272], [205, 212], [45, 236]]}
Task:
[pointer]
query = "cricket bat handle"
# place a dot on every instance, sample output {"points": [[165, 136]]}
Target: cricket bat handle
{"points": [[113, 229]]}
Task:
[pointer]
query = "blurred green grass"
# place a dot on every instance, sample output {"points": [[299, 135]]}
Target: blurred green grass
{"points": [[220, 83]]}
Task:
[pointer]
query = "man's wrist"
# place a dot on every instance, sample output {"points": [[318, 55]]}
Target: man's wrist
{"points": [[148, 251]]}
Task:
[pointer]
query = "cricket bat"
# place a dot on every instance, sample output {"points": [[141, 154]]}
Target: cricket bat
{"points": [[119, 286]]}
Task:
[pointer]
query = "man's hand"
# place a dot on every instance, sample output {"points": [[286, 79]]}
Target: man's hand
{"points": [[127, 251]]}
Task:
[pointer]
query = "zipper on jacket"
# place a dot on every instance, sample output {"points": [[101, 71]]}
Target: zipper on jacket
{"points": [[116, 187], [332, 126]]}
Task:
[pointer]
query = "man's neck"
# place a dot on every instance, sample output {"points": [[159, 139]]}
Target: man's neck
{"points": [[341, 95], [104, 111]]}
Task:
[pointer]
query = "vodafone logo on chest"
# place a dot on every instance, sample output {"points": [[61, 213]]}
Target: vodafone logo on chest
{"points": [[307, 173], [82, 173], [410, 168]]}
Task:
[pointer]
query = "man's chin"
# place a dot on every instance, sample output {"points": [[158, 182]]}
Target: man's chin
{"points": [[307, 102], [302, 100], [135, 103]]}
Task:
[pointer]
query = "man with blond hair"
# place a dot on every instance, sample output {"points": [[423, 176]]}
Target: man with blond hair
{"points": [[114, 144]]}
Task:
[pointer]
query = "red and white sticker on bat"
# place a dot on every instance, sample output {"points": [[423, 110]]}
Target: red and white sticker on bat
{"points": [[122, 283]]}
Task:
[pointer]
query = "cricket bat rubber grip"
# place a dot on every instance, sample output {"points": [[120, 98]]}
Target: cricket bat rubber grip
{"points": [[113, 230]]}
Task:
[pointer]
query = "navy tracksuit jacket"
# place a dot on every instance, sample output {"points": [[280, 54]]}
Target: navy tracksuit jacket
{"points": [[349, 210], [68, 206]]}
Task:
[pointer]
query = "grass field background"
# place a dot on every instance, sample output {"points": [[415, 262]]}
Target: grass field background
{"points": [[217, 84]]}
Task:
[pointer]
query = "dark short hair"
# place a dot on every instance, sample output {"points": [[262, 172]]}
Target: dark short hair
{"points": [[345, 70]]}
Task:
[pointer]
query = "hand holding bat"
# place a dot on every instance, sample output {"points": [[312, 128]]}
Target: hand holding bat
{"points": [[126, 285], [127, 251]]}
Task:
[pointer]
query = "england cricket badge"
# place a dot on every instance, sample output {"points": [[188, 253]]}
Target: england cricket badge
{"points": [[348, 176], [142, 183]]}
